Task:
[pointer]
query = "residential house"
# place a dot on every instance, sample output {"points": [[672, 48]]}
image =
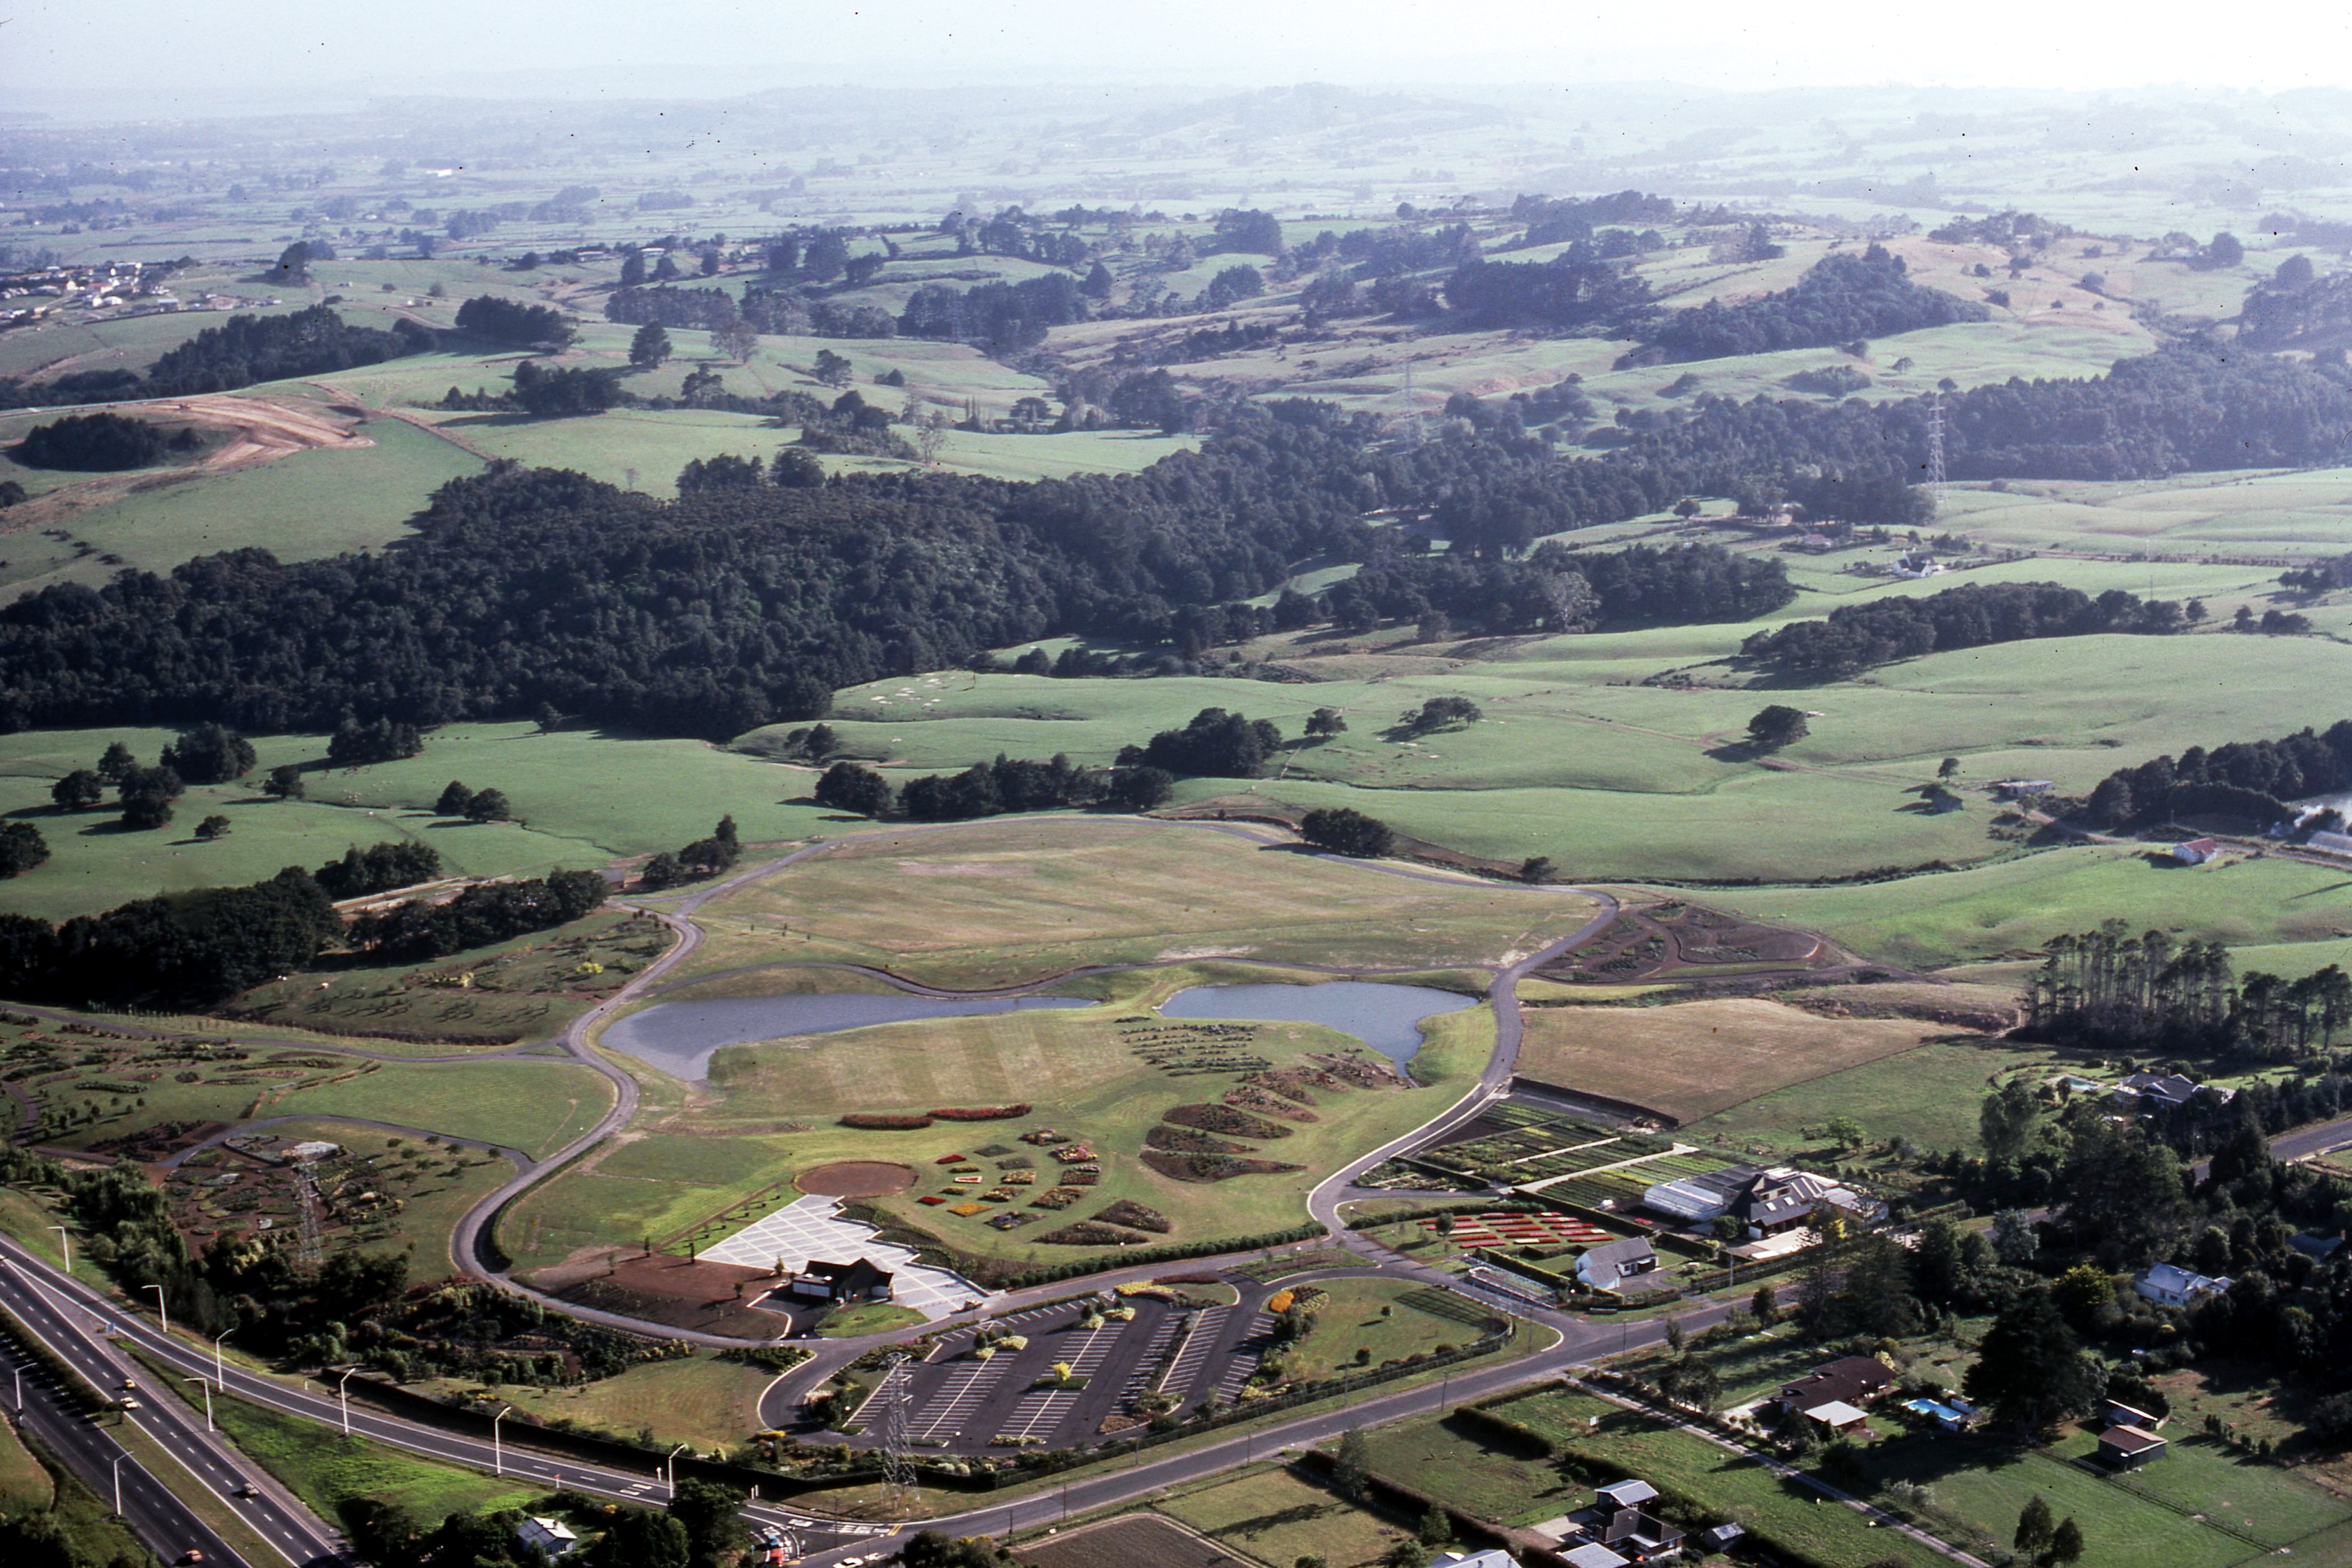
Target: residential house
{"points": [[2167, 1090], [2128, 1447], [1616, 1264], [2195, 851], [1488, 1559], [1854, 1380], [1616, 1520], [1783, 1199], [2169, 1285], [2018, 789], [552, 1536], [840, 1283]]}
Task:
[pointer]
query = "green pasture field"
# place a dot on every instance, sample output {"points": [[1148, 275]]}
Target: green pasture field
{"points": [[999, 902], [318, 502], [770, 1110], [582, 797], [327, 1470], [1449, 1461], [697, 1399], [527, 988], [2014, 908], [1278, 1517], [2260, 515], [1929, 1095]]}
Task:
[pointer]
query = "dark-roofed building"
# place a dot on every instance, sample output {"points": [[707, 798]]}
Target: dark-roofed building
{"points": [[2126, 1448], [840, 1283], [1854, 1380], [1784, 1198]]}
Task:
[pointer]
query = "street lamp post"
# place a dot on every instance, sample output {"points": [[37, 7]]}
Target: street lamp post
{"points": [[207, 1387], [218, 1380], [669, 1468], [497, 1452], [344, 1398], [118, 1484], [65, 1238], [162, 1316]]}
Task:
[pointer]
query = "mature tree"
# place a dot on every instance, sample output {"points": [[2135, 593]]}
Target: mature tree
{"points": [[2008, 1121], [639, 1538], [1140, 789], [22, 847], [1215, 744], [77, 790], [1344, 830], [2124, 1193], [795, 469], [707, 1509], [2065, 1542], [2015, 1238], [2030, 1371], [212, 827], [1776, 726], [2034, 1527], [853, 786], [1352, 1464], [1325, 722], [210, 755], [1536, 869], [2227, 249], [1099, 282], [146, 812], [650, 348], [930, 1549], [737, 340], [1441, 713], [488, 806], [116, 762], [1846, 1131], [454, 798], [1949, 768], [832, 369], [284, 783], [1691, 1380], [1935, 1268]]}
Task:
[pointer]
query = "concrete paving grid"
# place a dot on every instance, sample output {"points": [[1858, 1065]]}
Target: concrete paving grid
{"points": [[811, 1228]]}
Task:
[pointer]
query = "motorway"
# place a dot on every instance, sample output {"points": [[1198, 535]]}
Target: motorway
{"points": [[81, 1338]]}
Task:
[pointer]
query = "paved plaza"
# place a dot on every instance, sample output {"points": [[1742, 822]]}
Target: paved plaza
{"points": [[812, 1227]]}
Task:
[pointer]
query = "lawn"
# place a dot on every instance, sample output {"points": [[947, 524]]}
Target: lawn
{"points": [[25, 1483], [1003, 902], [1390, 1318], [1278, 1517], [325, 1468], [1692, 1059], [2199, 1475], [536, 1106], [697, 1399]]}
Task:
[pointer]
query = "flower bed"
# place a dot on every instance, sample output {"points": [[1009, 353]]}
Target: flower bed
{"points": [[1210, 1167], [1137, 1217], [980, 1112], [1184, 1139], [1087, 1233], [1225, 1119], [874, 1122], [1256, 1098]]}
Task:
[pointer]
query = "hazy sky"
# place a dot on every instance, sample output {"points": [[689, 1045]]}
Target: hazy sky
{"points": [[171, 53]]}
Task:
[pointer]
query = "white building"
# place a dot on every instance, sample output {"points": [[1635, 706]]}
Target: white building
{"points": [[552, 1536], [2169, 1285]]}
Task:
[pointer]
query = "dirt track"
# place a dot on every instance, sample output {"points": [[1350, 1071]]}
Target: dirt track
{"points": [[265, 431]]}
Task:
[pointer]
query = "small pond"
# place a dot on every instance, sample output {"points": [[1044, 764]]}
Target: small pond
{"points": [[1386, 1018], [678, 1036]]}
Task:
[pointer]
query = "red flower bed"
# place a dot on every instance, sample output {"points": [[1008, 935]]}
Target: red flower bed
{"points": [[980, 1112], [877, 1123]]}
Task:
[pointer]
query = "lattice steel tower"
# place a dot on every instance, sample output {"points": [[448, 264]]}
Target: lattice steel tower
{"points": [[1935, 450]]}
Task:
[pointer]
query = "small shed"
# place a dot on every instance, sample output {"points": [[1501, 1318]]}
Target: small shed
{"points": [[2128, 1447], [552, 1536], [2195, 851], [2115, 1412]]}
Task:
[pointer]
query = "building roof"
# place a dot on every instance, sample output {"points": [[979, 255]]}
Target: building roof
{"points": [[1488, 1559], [863, 1271], [2176, 1280], [2332, 843], [1615, 1257], [1627, 1493], [2130, 1441], [1848, 1378], [1700, 1197], [1591, 1554], [2200, 846], [1836, 1413]]}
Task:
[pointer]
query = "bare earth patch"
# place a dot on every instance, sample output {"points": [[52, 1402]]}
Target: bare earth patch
{"points": [[1131, 1541], [856, 1179]]}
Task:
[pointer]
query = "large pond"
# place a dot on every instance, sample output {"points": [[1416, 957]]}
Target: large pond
{"points": [[678, 1036], [1386, 1018]]}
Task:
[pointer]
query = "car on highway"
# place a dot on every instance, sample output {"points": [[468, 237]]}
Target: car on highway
{"points": [[127, 1405], [246, 1489], [192, 1555]]}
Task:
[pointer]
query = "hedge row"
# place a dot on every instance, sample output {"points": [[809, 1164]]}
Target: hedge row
{"points": [[1175, 1252]]}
